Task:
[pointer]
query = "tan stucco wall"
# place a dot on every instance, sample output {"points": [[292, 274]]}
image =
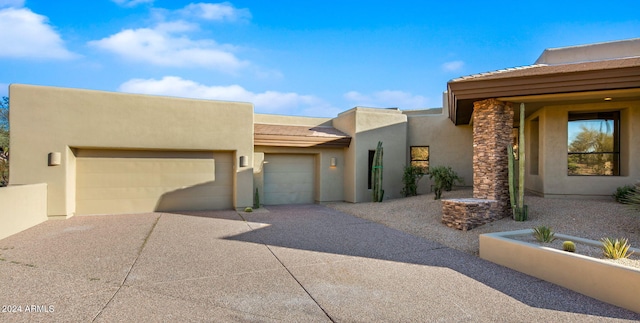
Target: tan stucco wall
{"points": [[50, 119], [449, 145], [23, 206], [552, 179], [367, 126], [328, 181]]}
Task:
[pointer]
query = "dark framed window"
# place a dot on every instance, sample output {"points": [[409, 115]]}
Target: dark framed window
{"points": [[594, 144], [370, 168], [420, 157]]}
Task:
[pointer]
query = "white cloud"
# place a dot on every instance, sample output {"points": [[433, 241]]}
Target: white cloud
{"points": [[170, 42], [131, 3], [28, 35], [387, 98], [11, 3], [165, 46], [453, 66], [215, 11], [265, 102]]}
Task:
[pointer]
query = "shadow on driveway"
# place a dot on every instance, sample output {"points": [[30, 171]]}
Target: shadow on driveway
{"points": [[321, 229]]}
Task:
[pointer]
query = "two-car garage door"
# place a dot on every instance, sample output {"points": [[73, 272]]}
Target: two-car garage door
{"points": [[120, 181]]}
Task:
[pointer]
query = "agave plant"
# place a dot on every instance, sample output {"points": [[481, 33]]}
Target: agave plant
{"points": [[616, 248], [544, 234]]}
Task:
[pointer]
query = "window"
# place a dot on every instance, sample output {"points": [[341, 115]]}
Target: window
{"points": [[420, 157], [593, 144]]}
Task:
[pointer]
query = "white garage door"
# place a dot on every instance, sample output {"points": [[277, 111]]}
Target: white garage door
{"points": [[289, 179], [109, 181]]}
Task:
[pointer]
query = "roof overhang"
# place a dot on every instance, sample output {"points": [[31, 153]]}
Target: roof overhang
{"points": [[569, 82], [299, 136]]}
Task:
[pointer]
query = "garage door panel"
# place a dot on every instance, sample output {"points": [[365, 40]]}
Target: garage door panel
{"points": [[291, 198], [130, 181], [283, 188], [289, 179], [197, 203]]}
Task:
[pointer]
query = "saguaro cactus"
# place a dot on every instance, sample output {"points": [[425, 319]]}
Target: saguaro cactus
{"points": [[376, 174], [256, 200], [516, 194]]}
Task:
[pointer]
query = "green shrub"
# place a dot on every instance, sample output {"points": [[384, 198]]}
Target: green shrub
{"points": [[616, 249], [622, 192], [569, 246], [410, 177], [443, 179], [544, 234], [248, 209]]}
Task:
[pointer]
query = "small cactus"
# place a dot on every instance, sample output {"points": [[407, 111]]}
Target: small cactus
{"points": [[569, 246]]}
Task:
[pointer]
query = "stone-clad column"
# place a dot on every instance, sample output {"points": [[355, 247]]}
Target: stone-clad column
{"points": [[492, 132]]}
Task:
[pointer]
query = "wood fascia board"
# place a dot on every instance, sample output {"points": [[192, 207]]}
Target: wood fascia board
{"points": [[544, 84], [299, 141]]}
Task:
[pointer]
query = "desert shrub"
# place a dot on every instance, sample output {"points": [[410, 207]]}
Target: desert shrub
{"points": [[616, 248], [410, 177], [248, 209], [443, 179], [544, 234], [632, 198], [622, 192]]}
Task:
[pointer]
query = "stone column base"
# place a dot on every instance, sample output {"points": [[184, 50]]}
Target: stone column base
{"points": [[466, 214]]}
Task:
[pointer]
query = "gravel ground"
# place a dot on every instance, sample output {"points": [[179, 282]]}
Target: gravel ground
{"points": [[421, 215]]}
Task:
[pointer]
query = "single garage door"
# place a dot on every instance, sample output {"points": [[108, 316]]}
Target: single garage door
{"points": [[289, 179], [115, 181]]}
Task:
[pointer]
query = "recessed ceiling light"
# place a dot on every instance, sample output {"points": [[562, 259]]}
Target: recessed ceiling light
{"points": [[608, 99]]}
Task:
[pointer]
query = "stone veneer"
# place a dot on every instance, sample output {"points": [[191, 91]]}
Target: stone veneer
{"points": [[492, 133], [466, 214]]}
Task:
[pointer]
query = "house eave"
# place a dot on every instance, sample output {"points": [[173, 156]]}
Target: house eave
{"points": [[463, 92]]}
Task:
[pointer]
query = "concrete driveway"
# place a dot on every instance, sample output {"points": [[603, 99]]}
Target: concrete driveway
{"points": [[294, 263]]}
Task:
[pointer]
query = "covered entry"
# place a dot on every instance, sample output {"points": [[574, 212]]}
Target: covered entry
{"points": [[132, 181], [289, 179]]}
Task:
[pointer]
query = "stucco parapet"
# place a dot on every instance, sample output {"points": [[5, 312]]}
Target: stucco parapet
{"points": [[276, 119], [424, 112], [372, 110]]}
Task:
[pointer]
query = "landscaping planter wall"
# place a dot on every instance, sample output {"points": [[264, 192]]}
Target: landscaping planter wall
{"points": [[603, 280], [21, 207]]}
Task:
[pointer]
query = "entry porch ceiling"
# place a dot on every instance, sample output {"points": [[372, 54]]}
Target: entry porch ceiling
{"points": [[299, 136], [543, 85]]}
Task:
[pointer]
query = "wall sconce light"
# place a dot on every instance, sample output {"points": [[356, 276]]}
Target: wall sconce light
{"points": [[334, 162], [55, 158], [244, 161]]}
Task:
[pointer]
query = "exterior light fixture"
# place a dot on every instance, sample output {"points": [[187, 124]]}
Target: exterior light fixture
{"points": [[55, 158], [244, 161], [334, 162], [608, 98]]}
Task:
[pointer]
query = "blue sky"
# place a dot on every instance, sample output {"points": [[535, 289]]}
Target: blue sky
{"points": [[314, 58]]}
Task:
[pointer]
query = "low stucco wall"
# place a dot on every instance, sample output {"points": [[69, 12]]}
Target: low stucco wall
{"points": [[23, 206], [609, 282]]}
